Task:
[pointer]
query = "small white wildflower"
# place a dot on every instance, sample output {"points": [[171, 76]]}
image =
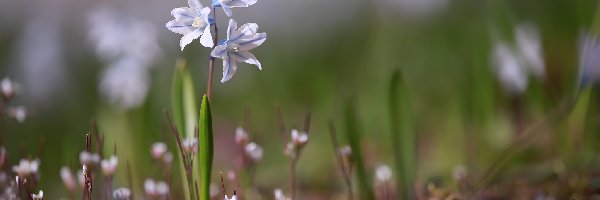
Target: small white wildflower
{"points": [[190, 145], [383, 173], [254, 151], [235, 48], [278, 193], [192, 22], [345, 151], [241, 136], [87, 158], [38, 196], [299, 138], [109, 165], [67, 178], [530, 47], [7, 87], [589, 59], [18, 113], [158, 149], [233, 197], [26, 167], [155, 188], [512, 76], [122, 194], [228, 4], [231, 175]]}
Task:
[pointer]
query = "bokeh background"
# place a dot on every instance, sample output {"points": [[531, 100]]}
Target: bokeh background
{"points": [[318, 56]]}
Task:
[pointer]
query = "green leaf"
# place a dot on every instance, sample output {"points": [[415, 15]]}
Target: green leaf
{"points": [[403, 136], [353, 134], [205, 149], [183, 101]]}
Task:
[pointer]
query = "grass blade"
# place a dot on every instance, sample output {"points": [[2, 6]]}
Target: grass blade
{"points": [[353, 134], [205, 149]]}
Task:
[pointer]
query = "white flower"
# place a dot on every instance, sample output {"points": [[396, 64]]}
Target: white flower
{"points": [[18, 113], [109, 166], [234, 197], [67, 178], [254, 151], [190, 145], [530, 47], [158, 149], [509, 70], [87, 158], [383, 173], [155, 188], [38, 196], [345, 151], [122, 194], [125, 83], [228, 4], [7, 87], [241, 136], [235, 48], [299, 138], [589, 59], [278, 193], [192, 22], [26, 167]]}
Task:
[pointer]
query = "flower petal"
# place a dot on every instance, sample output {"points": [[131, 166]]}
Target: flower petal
{"points": [[206, 40], [196, 6], [219, 52], [227, 10], [204, 12], [189, 37], [253, 42], [250, 2], [237, 3], [229, 68], [183, 14], [247, 57], [179, 27], [246, 30], [231, 28]]}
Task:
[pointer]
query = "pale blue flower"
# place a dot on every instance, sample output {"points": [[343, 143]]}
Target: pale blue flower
{"points": [[228, 4], [192, 22], [589, 60], [236, 47]]}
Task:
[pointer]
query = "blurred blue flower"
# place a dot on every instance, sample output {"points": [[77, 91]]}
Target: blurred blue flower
{"points": [[228, 4], [192, 22], [589, 60], [236, 47]]}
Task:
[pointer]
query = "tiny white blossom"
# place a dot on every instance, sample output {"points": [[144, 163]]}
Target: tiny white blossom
{"points": [[234, 197], [278, 193], [18, 113], [190, 145], [109, 165], [192, 22], [87, 158], [155, 188], [122, 194], [509, 70], [26, 167], [67, 178], [345, 151], [241, 136], [228, 4], [530, 47], [254, 151], [589, 59], [38, 196], [7, 87], [299, 138], [235, 48], [158, 149], [383, 173]]}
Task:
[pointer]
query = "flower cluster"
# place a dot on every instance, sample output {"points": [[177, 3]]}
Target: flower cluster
{"points": [[194, 22], [251, 149], [299, 139]]}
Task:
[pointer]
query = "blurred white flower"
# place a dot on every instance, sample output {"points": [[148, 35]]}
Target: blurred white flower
{"points": [[190, 145], [109, 166], [38, 196], [241, 136], [18, 113], [530, 46], [155, 188], [234, 197], [67, 178], [383, 173], [8, 88], [26, 167], [167, 158], [254, 151], [228, 4], [235, 48], [299, 138], [87, 158], [158, 149], [192, 22], [278, 193], [122, 194], [509, 70], [589, 59], [345, 151], [128, 46]]}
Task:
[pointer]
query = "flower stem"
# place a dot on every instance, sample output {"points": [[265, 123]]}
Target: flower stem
{"points": [[293, 178], [211, 60]]}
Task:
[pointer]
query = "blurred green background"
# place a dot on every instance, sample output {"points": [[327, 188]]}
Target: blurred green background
{"points": [[318, 55]]}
